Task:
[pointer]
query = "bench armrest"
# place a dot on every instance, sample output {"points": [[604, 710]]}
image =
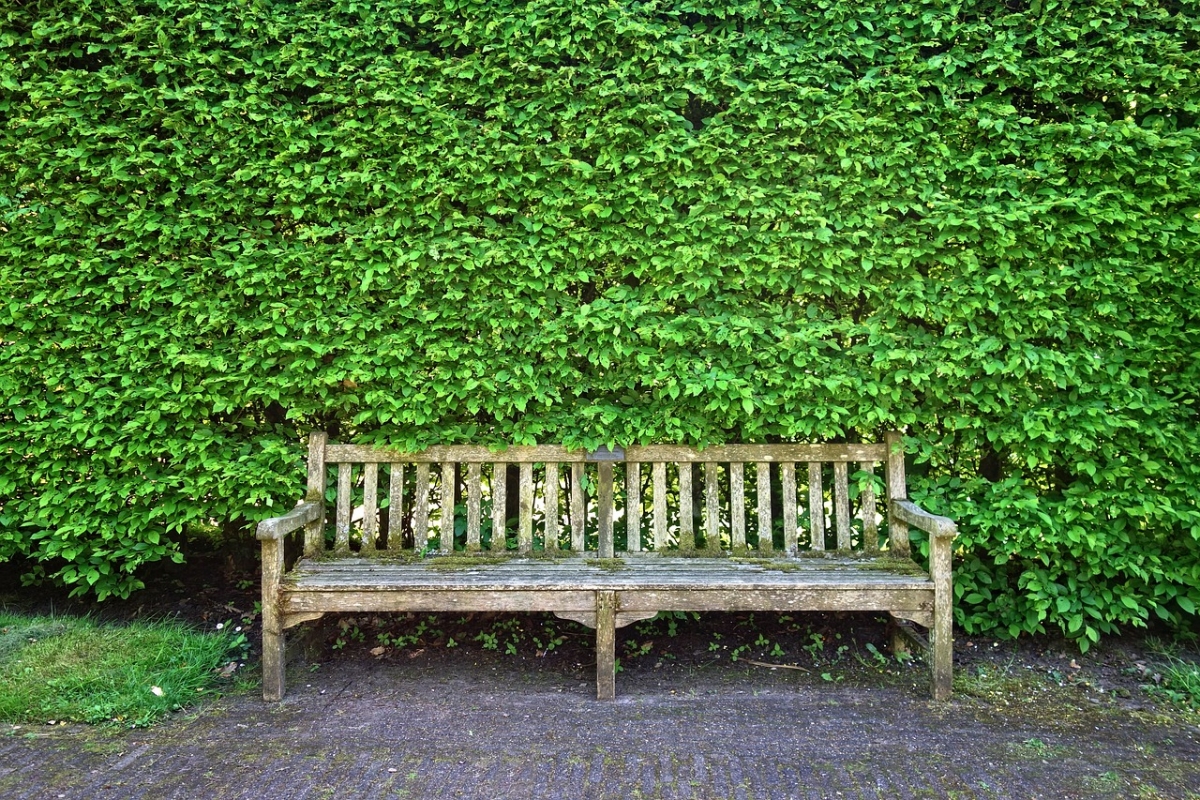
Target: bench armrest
{"points": [[276, 528], [937, 527]]}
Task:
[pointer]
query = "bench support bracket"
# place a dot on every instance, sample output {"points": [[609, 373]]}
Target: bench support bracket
{"points": [[588, 618]]}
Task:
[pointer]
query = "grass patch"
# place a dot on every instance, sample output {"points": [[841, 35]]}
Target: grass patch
{"points": [[79, 670], [1174, 677]]}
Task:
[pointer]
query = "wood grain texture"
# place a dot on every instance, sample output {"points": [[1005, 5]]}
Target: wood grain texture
{"points": [[567, 574], [841, 504], [525, 515], [604, 508], [737, 506], [869, 510], [687, 533], [421, 509], [550, 496], [370, 522], [911, 514], [474, 506], [395, 508], [633, 506], [459, 454], [272, 620], [762, 474], [499, 504], [897, 528], [943, 622], [298, 517], [578, 509], [314, 532], [446, 500], [606, 645], [816, 508], [660, 507], [341, 542], [712, 509], [787, 477], [757, 452]]}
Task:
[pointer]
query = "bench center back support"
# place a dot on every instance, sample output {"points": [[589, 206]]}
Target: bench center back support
{"points": [[547, 503]]}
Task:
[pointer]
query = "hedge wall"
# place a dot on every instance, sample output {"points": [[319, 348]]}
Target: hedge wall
{"points": [[223, 222]]}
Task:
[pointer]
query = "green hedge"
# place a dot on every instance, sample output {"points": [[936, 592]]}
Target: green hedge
{"points": [[222, 223]]}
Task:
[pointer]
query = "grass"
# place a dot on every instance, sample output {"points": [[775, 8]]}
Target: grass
{"points": [[80, 670], [1177, 678]]}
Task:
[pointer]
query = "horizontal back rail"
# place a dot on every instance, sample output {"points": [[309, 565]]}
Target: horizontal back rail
{"points": [[466, 454]]}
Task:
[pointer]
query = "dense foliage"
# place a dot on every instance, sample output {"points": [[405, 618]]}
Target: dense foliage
{"points": [[223, 222]]}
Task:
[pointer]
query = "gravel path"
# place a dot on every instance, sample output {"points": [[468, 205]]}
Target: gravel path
{"points": [[377, 730]]}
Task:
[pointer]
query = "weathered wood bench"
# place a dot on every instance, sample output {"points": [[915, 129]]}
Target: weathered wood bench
{"points": [[421, 543]]}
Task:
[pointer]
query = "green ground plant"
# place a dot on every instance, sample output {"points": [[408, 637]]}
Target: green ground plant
{"points": [[73, 669], [223, 224], [1175, 675]]}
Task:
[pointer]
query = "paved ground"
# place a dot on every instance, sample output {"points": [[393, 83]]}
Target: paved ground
{"points": [[470, 729]]}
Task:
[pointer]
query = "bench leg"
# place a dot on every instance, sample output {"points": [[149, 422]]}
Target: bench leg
{"points": [[943, 619], [272, 664], [272, 621], [606, 645]]}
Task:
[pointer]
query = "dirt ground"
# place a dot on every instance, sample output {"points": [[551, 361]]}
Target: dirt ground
{"points": [[711, 705]]}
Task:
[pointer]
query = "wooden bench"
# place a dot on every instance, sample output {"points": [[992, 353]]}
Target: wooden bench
{"points": [[409, 534]]}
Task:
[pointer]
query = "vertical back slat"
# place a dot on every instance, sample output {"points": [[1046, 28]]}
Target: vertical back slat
{"points": [[550, 542], [604, 510], [660, 506], [687, 533], [370, 532], [421, 509], [712, 509], [314, 532], [897, 490], [870, 525], [763, 487], [499, 503], [816, 507], [578, 509], [525, 517], [633, 506], [474, 505], [342, 541], [787, 476], [841, 504], [449, 479], [396, 507], [737, 506]]}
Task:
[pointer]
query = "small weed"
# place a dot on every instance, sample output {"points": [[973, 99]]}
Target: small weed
{"points": [[635, 650], [1037, 748], [878, 660], [816, 646]]}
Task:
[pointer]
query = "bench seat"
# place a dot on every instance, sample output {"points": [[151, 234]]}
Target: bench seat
{"points": [[642, 583]]}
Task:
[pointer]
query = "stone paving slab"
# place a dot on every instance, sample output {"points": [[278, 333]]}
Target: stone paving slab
{"points": [[389, 733]]}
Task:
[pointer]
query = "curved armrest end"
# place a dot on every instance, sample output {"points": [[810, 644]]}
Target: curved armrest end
{"points": [[276, 528], [937, 527]]}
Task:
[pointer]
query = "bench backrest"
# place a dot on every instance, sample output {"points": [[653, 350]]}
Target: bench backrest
{"points": [[769, 499]]}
